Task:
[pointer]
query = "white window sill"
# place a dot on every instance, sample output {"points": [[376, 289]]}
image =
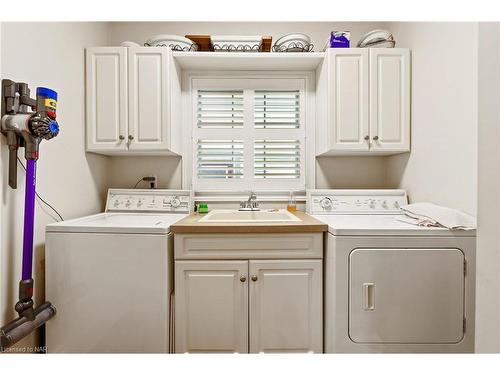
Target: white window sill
{"points": [[263, 196]]}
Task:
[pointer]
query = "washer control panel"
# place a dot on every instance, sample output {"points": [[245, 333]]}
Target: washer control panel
{"points": [[358, 201], [149, 200]]}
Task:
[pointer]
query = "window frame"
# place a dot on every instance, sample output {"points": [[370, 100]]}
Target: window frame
{"points": [[194, 80]]}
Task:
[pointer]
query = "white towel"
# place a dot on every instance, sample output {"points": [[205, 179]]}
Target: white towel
{"points": [[428, 214]]}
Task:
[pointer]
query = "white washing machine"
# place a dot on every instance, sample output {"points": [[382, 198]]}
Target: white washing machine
{"points": [[110, 275], [391, 286]]}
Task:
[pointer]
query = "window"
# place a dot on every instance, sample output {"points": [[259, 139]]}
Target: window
{"points": [[219, 159], [248, 134], [277, 109], [277, 159], [219, 109]]}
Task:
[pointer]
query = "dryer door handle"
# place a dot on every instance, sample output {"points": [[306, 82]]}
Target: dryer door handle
{"points": [[368, 296]]}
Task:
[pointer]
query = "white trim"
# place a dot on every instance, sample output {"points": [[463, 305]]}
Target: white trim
{"points": [[251, 80], [255, 61], [239, 196]]}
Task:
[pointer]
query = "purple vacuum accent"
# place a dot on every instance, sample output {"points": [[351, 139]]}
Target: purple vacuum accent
{"points": [[29, 219]]}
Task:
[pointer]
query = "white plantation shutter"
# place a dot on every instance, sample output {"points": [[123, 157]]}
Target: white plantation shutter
{"points": [[277, 109], [278, 159], [220, 109], [219, 159], [251, 137]]}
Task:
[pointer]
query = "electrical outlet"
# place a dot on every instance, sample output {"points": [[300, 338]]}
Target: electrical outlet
{"points": [[153, 181]]}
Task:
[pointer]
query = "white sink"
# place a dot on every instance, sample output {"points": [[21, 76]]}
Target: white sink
{"points": [[235, 216]]}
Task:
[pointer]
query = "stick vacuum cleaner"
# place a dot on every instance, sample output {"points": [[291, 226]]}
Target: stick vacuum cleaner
{"points": [[25, 122]]}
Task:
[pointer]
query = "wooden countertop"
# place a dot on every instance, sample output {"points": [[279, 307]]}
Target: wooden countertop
{"points": [[192, 225]]}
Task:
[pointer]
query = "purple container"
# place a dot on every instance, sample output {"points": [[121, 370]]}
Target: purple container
{"points": [[340, 39]]}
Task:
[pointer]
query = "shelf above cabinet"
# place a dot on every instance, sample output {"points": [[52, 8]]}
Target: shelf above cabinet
{"points": [[248, 60]]}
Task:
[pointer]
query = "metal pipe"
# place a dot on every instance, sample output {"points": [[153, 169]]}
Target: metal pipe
{"points": [[29, 219]]}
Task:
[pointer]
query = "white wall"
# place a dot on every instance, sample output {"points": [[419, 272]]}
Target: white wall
{"points": [[442, 165], [48, 54], [343, 172], [125, 171], [488, 243], [443, 108], [352, 172]]}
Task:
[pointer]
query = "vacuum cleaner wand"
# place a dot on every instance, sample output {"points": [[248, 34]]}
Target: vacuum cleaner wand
{"points": [[26, 129]]}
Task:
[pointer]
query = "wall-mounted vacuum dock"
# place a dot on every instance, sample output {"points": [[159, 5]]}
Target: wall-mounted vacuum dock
{"points": [[26, 122]]}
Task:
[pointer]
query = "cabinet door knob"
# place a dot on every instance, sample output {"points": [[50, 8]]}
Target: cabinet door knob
{"points": [[130, 137], [121, 137], [243, 279], [367, 137], [375, 138], [254, 278]]}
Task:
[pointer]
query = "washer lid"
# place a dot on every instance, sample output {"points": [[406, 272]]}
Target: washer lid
{"points": [[118, 223], [383, 225]]}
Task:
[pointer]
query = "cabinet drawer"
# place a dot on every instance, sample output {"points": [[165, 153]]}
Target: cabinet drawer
{"points": [[256, 246]]}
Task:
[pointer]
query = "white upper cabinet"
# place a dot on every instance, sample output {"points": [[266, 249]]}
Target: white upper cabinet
{"points": [[363, 101], [128, 100], [106, 99], [348, 102], [390, 99], [148, 98]]}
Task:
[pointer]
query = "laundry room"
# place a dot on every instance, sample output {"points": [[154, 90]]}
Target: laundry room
{"points": [[249, 186]]}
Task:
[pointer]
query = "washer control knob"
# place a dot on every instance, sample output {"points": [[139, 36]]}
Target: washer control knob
{"points": [[175, 202], [326, 203], [384, 205], [128, 203], [396, 204]]}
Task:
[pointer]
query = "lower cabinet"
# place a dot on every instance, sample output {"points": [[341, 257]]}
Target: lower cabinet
{"points": [[286, 306], [246, 306], [211, 306]]}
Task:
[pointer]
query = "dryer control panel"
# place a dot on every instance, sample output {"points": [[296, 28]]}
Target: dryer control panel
{"points": [[149, 200], [359, 201]]}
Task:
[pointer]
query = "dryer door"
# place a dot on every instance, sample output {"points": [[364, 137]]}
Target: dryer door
{"points": [[406, 295]]}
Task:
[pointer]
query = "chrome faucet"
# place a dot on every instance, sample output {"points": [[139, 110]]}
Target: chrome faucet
{"points": [[251, 204]]}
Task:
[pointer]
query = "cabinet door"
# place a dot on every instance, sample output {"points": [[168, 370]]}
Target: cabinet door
{"points": [[406, 296], [211, 306], [148, 98], [390, 99], [106, 98], [286, 306], [349, 104]]}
